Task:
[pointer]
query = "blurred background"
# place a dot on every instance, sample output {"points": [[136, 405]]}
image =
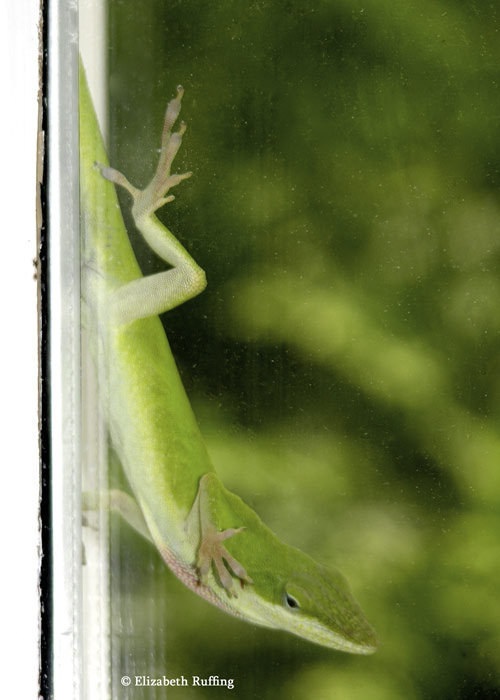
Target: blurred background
{"points": [[343, 362]]}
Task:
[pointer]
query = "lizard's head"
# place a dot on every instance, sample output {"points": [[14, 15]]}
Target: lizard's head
{"points": [[314, 602], [319, 606]]}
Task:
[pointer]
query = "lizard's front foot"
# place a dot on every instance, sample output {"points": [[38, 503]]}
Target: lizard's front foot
{"points": [[211, 548]]}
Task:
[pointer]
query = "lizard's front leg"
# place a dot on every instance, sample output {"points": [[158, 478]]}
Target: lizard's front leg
{"points": [[211, 548], [119, 502]]}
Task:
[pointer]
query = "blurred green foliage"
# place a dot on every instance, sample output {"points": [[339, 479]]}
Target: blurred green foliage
{"points": [[343, 361]]}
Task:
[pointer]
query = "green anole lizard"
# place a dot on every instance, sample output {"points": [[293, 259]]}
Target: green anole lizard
{"points": [[209, 538]]}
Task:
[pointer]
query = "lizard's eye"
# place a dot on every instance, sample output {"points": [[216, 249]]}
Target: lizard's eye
{"points": [[290, 602]]}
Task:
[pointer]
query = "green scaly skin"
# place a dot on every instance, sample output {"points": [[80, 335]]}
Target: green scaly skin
{"points": [[208, 536]]}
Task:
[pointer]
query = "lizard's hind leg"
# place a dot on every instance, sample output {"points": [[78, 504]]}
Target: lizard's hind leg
{"points": [[153, 295]]}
